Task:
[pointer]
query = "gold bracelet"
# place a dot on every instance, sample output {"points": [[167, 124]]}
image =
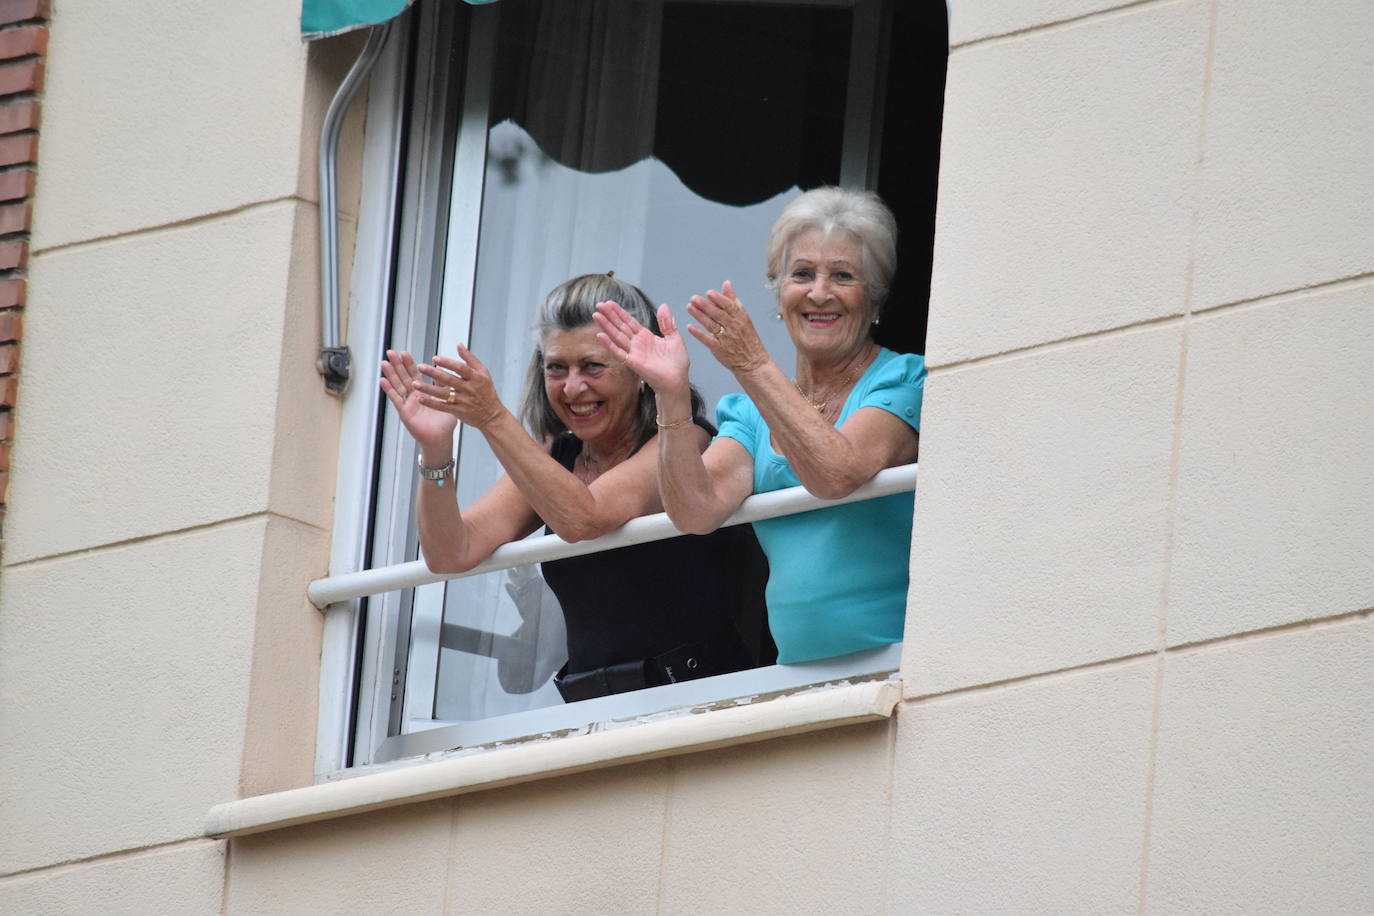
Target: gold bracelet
{"points": [[661, 425]]}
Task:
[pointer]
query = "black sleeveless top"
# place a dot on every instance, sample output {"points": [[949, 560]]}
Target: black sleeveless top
{"points": [[640, 601]]}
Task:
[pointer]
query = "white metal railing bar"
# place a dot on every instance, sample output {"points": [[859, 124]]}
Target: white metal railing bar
{"points": [[347, 586]]}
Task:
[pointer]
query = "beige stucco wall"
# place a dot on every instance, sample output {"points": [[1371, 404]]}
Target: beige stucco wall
{"points": [[1140, 630], [173, 469]]}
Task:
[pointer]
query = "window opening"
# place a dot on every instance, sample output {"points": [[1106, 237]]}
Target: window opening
{"points": [[584, 137]]}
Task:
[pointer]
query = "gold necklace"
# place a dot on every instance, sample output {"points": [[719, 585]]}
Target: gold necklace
{"points": [[820, 408], [594, 465], [589, 461]]}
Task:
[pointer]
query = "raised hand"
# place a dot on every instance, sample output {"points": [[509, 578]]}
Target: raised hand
{"points": [[430, 426], [460, 387], [660, 361], [726, 330]]}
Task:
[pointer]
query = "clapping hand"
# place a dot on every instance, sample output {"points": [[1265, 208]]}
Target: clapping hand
{"points": [[726, 330], [660, 361], [457, 389], [428, 424]]}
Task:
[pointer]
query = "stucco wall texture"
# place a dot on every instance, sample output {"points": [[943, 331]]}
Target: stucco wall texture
{"points": [[1140, 621]]}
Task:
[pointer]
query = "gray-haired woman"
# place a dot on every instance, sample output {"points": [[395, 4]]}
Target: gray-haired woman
{"points": [[636, 617], [838, 576]]}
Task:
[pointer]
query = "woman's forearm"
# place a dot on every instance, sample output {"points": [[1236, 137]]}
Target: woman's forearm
{"points": [[444, 535], [691, 496], [566, 504], [827, 463]]}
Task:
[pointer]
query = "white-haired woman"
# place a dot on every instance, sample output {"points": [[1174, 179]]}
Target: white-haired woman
{"points": [[838, 576], [636, 617]]}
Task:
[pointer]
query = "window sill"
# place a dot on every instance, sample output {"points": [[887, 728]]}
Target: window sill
{"points": [[804, 711]]}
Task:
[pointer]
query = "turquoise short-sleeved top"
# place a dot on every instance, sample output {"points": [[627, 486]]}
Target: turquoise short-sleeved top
{"points": [[837, 578]]}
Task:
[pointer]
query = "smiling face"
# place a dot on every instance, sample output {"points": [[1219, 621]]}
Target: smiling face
{"points": [[591, 392], [823, 299]]}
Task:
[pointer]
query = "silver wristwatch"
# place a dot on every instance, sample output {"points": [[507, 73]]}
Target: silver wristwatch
{"points": [[435, 474]]}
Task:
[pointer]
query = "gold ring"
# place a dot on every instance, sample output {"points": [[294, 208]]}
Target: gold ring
{"points": [[720, 330], [452, 396]]}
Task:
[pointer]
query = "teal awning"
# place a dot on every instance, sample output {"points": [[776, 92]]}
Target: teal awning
{"points": [[320, 18]]}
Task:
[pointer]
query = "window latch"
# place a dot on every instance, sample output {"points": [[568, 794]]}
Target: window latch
{"points": [[334, 364]]}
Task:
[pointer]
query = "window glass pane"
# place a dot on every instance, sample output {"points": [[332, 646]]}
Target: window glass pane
{"points": [[658, 140]]}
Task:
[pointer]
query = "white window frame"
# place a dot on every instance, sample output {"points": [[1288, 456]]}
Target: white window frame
{"points": [[361, 722]]}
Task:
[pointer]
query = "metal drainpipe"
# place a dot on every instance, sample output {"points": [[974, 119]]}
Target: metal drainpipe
{"points": [[334, 358]]}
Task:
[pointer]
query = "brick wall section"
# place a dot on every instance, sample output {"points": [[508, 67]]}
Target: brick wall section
{"points": [[23, 41]]}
